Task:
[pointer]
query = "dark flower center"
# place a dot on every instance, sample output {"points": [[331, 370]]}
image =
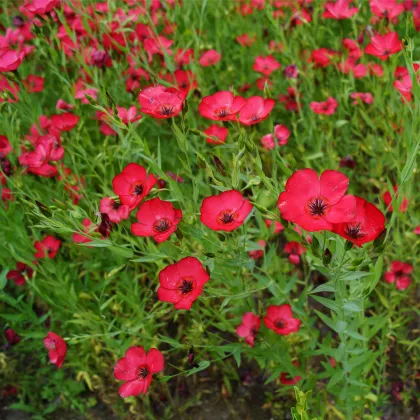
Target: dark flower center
{"points": [[354, 231], [386, 52], [186, 287], [116, 205], [317, 207], [254, 118], [143, 372], [166, 110], [138, 189], [223, 112], [162, 225], [253, 332], [227, 217], [280, 323]]}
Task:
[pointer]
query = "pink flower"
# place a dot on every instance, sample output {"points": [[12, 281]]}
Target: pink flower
{"points": [[358, 97], [210, 58], [137, 368], [382, 46], [266, 65], [294, 250], [399, 274], [115, 210], [255, 110], [267, 142], [327, 108], [249, 327], [57, 349], [282, 134], [339, 10]]}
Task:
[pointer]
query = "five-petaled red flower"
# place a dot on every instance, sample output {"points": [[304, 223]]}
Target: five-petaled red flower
{"points": [[249, 327], [221, 106], [47, 248], [367, 224], [215, 131], [156, 218], [399, 274], [382, 46], [255, 110], [57, 349], [316, 203], [280, 319], [115, 210], [18, 275], [226, 211], [133, 184], [137, 368], [161, 102], [181, 283]]}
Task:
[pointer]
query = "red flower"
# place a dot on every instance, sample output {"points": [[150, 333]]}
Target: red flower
{"points": [[156, 218], [40, 7], [245, 40], [18, 275], [368, 223], [417, 230], [61, 104], [133, 184], [278, 227], [353, 48], [285, 379], [387, 9], [358, 97], [219, 132], [210, 58], [375, 69], [10, 60], [226, 211], [315, 204], [266, 65], [280, 319], [382, 46], [5, 147], [282, 134], [183, 57], [79, 238], [295, 250], [221, 106], [57, 349], [64, 122], [339, 10], [115, 211], [48, 247], [181, 283], [327, 108], [249, 327], [34, 83], [12, 336], [322, 57], [387, 197], [400, 274], [267, 142], [137, 368], [258, 253], [161, 102], [255, 110]]}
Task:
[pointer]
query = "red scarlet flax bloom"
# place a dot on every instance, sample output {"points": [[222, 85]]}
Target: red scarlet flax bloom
{"points": [[161, 102], [137, 368], [280, 319], [400, 274], [133, 184], [316, 203], [156, 218], [57, 349], [48, 247], [368, 223], [226, 211], [255, 110], [382, 46], [249, 327], [181, 283], [221, 106]]}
